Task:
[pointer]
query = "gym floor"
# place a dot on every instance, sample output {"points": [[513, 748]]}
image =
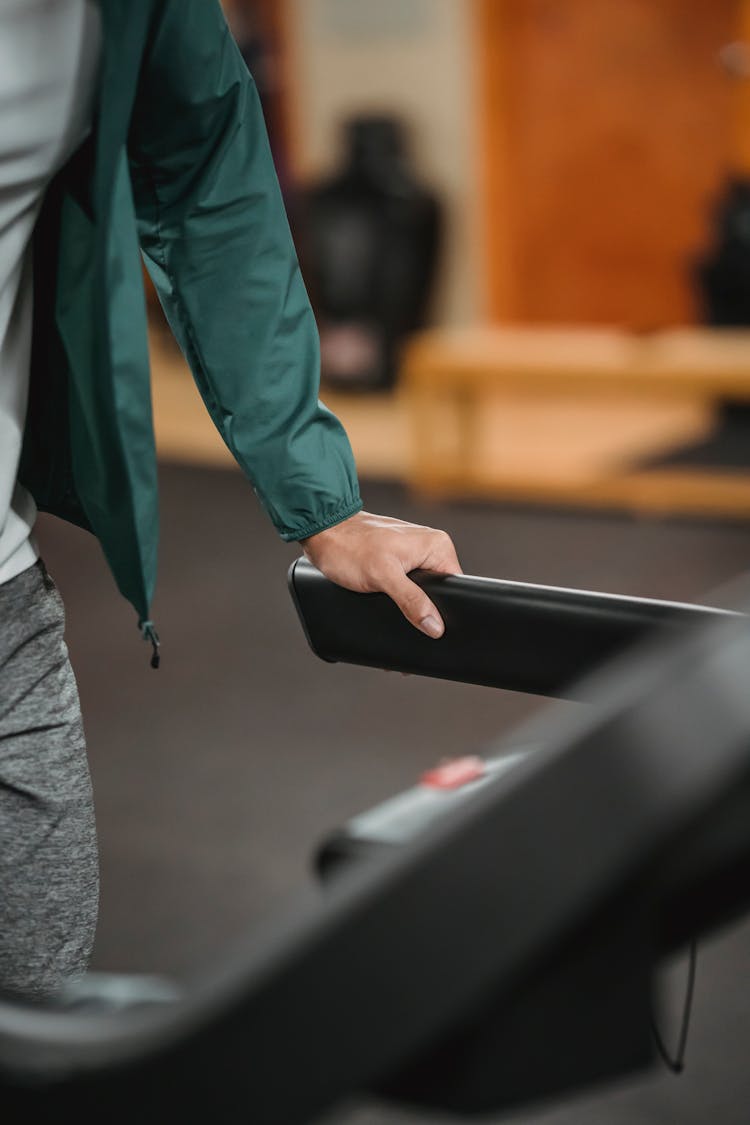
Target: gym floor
{"points": [[215, 776]]}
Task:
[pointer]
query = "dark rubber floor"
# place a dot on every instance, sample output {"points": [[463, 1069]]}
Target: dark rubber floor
{"points": [[215, 776]]}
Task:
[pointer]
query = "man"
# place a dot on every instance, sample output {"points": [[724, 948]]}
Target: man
{"points": [[126, 124]]}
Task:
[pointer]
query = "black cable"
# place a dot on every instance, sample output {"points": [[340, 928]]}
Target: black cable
{"points": [[676, 1062]]}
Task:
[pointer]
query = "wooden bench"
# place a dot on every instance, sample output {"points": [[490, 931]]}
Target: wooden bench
{"points": [[557, 415]]}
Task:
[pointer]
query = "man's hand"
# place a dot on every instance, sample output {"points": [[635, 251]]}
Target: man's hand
{"points": [[368, 553]]}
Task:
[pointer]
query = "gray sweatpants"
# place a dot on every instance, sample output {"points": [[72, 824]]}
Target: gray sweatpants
{"points": [[49, 876]]}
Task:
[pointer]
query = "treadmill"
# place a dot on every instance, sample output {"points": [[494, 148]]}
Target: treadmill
{"points": [[504, 948]]}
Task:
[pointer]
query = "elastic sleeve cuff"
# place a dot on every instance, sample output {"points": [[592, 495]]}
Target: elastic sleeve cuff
{"points": [[338, 516]]}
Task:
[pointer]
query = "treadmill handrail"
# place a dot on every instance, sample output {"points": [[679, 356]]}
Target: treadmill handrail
{"points": [[513, 635]]}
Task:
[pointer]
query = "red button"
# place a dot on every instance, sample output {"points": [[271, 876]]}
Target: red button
{"points": [[454, 774]]}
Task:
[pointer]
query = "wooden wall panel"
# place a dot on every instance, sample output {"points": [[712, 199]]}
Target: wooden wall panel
{"points": [[609, 126], [740, 73]]}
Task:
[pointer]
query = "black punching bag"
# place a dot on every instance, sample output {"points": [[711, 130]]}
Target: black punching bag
{"points": [[369, 242], [724, 285], [724, 274]]}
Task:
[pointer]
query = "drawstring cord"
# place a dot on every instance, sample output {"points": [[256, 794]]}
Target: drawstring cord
{"points": [[149, 633]]}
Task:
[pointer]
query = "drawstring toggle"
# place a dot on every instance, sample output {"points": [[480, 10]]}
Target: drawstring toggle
{"points": [[149, 633]]}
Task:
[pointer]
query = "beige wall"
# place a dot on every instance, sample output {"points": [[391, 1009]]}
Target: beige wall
{"points": [[413, 57]]}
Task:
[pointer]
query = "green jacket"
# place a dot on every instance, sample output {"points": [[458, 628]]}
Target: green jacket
{"points": [[178, 163]]}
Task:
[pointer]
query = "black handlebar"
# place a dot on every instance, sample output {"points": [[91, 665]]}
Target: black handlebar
{"points": [[512, 635]]}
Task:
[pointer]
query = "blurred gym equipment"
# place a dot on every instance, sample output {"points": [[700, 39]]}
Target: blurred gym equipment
{"points": [[508, 950]]}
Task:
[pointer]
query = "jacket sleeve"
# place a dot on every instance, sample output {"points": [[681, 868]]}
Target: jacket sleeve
{"points": [[216, 242]]}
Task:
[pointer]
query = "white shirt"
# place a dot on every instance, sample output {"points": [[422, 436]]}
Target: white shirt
{"points": [[49, 64]]}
